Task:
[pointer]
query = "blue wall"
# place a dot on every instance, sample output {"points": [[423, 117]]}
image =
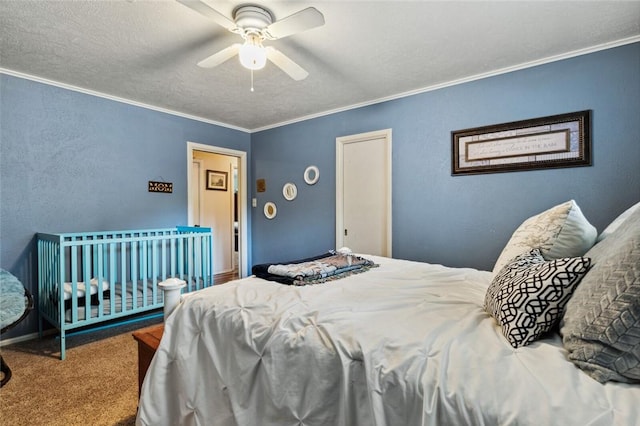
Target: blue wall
{"points": [[461, 220], [75, 162]]}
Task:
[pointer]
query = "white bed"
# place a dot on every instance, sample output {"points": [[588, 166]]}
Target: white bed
{"points": [[406, 343]]}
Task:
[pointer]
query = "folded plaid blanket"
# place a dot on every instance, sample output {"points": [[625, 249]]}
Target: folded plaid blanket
{"points": [[314, 270]]}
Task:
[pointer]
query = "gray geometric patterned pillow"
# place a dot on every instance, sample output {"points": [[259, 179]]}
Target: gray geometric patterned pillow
{"points": [[601, 325], [528, 295]]}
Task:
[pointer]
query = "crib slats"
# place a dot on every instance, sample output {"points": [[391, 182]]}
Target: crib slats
{"points": [[163, 258], [154, 270], [86, 274], [123, 275], [74, 283], [112, 276], [100, 276], [134, 273], [119, 272], [173, 258]]}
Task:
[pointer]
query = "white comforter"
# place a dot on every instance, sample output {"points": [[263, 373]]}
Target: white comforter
{"points": [[407, 343]]}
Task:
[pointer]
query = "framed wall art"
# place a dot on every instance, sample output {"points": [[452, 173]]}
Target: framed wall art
{"points": [[548, 142], [270, 210], [217, 180], [289, 191], [311, 175]]}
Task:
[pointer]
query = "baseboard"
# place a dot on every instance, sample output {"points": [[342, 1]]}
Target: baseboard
{"points": [[156, 313], [25, 337]]}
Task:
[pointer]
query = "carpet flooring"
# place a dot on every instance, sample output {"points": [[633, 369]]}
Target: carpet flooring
{"points": [[97, 383]]}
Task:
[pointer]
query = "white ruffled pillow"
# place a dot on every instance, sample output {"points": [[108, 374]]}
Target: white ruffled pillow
{"points": [[562, 231]]}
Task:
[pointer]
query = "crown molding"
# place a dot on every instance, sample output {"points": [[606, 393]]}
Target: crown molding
{"points": [[117, 99], [525, 65], [506, 70]]}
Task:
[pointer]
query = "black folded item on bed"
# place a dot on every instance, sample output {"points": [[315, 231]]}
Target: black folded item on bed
{"points": [[313, 270]]}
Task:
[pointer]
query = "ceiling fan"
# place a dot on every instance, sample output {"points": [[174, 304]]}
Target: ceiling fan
{"points": [[255, 24]]}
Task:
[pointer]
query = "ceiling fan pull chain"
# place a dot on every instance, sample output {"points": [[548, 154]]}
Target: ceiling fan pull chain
{"points": [[252, 80]]}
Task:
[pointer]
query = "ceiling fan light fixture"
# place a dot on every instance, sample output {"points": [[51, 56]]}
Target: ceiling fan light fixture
{"points": [[255, 24], [252, 54]]}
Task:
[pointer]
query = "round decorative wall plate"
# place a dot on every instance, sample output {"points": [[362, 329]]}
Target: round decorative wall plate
{"points": [[270, 210], [311, 175], [289, 191]]}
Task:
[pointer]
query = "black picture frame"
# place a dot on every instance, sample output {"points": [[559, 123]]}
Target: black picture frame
{"points": [[562, 140], [217, 180]]}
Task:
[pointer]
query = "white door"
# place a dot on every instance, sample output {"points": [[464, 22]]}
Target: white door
{"points": [[363, 192]]}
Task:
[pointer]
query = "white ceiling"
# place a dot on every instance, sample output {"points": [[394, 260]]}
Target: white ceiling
{"points": [[146, 51]]}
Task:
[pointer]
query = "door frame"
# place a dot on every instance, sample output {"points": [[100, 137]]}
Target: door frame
{"points": [[200, 189], [243, 257], [340, 143]]}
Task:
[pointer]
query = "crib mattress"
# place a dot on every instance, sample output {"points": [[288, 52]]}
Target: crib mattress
{"points": [[123, 300]]}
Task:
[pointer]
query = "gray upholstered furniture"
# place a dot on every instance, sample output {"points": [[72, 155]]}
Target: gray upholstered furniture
{"points": [[15, 304]]}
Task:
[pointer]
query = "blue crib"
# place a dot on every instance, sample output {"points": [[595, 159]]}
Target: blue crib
{"points": [[92, 277]]}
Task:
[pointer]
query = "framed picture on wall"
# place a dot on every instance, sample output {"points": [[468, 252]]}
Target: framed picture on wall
{"points": [[217, 180], [562, 140]]}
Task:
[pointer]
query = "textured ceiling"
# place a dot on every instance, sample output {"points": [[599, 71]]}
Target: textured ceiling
{"points": [[146, 51]]}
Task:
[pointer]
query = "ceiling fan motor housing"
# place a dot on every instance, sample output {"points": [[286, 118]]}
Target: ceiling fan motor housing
{"points": [[252, 17]]}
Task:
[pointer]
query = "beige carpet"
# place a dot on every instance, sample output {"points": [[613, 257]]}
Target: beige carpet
{"points": [[97, 383]]}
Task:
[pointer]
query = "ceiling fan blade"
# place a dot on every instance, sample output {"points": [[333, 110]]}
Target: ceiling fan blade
{"points": [[207, 11], [294, 70], [298, 22], [220, 57]]}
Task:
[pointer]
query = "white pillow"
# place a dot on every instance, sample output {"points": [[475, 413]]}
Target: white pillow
{"points": [[617, 222], [562, 231], [81, 288]]}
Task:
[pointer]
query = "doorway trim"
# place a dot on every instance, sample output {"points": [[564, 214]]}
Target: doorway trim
{"points": [[340, 143], [242, 195], [192, 214]]}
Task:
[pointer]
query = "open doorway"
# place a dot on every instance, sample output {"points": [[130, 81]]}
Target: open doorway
{"points": [[217, 187]]}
